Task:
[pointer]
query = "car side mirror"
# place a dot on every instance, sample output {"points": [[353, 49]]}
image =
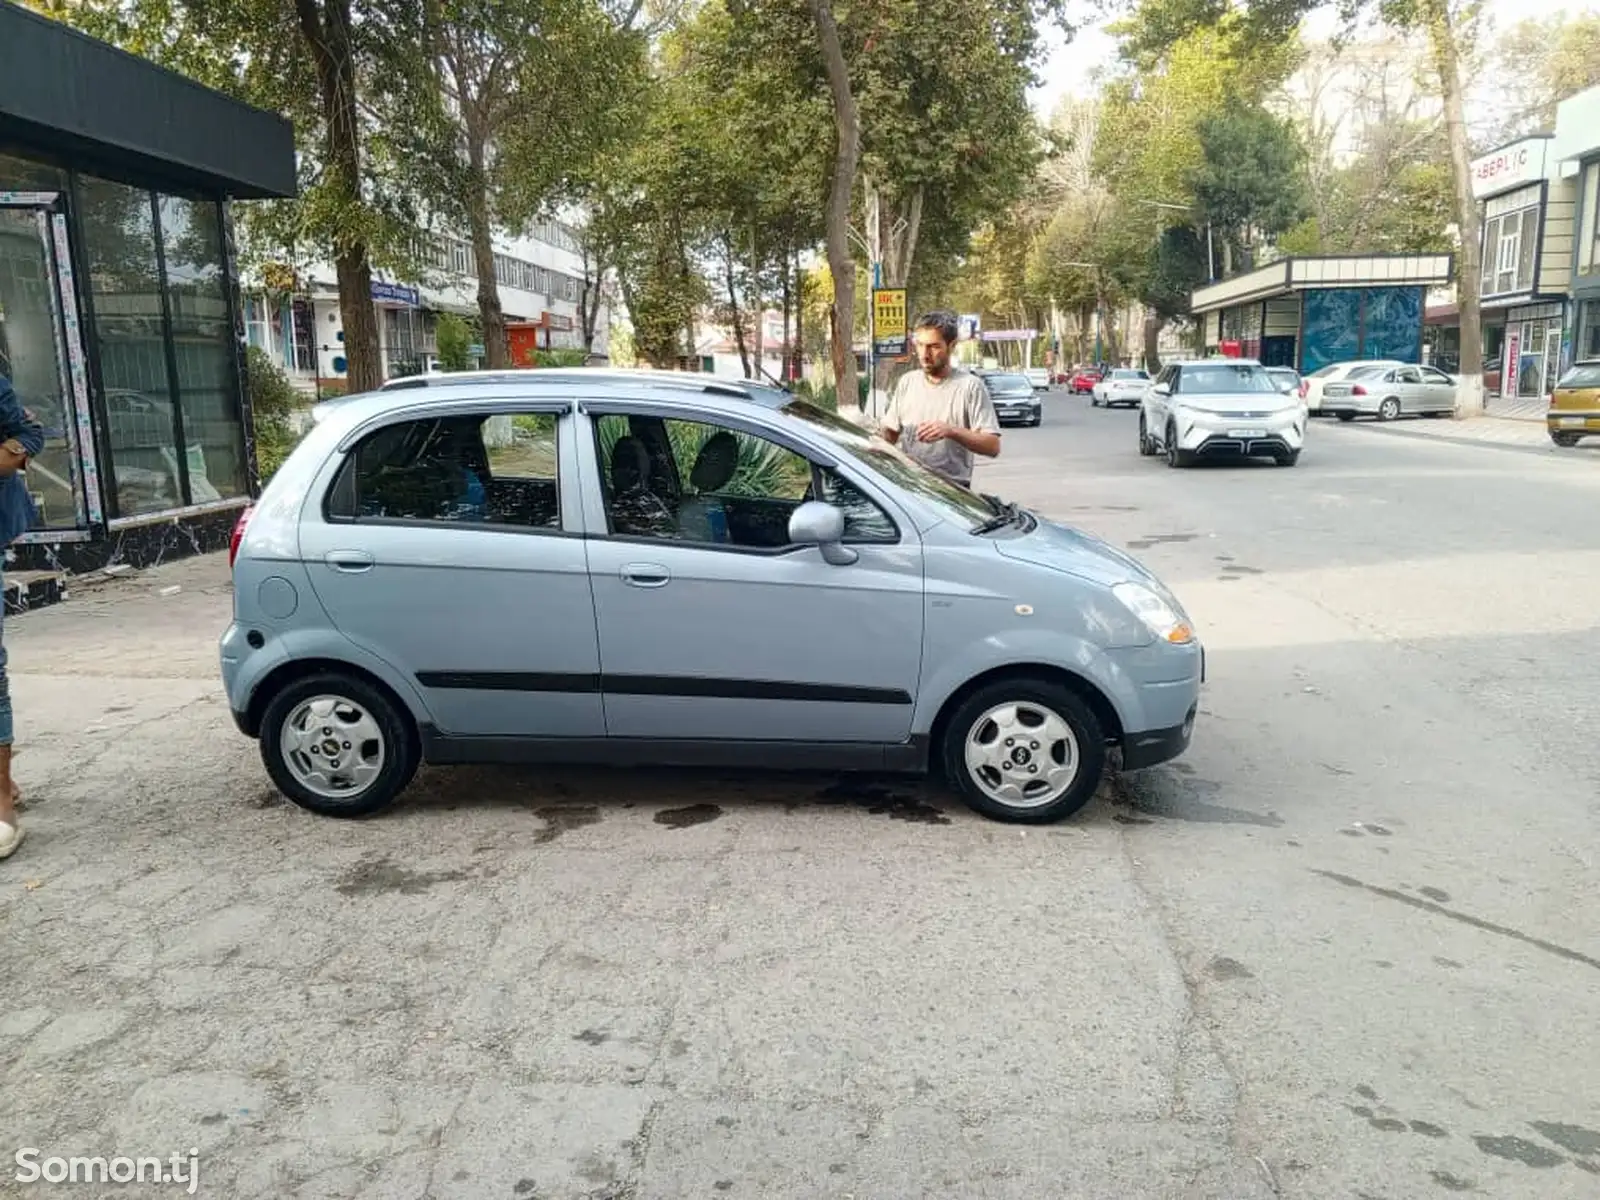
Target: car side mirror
{"points": [[821, 525], [1162, 389]]}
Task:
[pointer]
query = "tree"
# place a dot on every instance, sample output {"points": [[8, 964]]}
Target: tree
{"points": [[1250, 180], [1539, 62], [847, 149], [454, 338]]}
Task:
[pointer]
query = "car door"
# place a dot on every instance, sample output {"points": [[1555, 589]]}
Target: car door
{"points": [[713, 627], [450, 546], [1410, 389], [1156, 402], [1439, 391]]}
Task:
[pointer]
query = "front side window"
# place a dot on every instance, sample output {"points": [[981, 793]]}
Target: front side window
{"points": [[490, 470], [703, 483]]}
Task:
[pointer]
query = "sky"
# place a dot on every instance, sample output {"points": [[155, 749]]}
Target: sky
{"points": [[1070, 68]]}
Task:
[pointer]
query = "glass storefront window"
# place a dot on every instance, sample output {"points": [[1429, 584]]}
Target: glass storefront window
{"points": [[203, 348], [21, 175], [1589, 331], [125, 288]]}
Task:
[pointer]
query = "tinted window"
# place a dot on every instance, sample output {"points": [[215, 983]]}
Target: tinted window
{"points": [[483, 470], [1211, 379], [1432, 375], [1009, 383]]}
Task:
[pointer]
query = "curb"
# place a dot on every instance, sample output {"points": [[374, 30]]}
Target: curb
{"points": [[1547, 450]]}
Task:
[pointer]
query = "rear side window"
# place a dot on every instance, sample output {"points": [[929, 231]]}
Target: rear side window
{"points": [[494, 470], [1585, 375]]}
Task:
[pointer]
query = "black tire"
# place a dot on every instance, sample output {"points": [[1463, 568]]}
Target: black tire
{"points": [[1175, 456], [1565, 439], [1146, 446], [400, 746], [1347, 416], [1033, 694], [1287, 460]]}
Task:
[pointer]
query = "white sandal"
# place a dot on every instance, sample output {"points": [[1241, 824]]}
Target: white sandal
{"points": [[10, 838]]}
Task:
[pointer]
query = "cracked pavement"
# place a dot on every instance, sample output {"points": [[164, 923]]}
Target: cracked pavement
{"points": [[1346, 947]]}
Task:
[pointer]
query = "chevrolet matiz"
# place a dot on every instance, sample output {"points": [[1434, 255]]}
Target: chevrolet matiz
{"points": [[603, 566]]}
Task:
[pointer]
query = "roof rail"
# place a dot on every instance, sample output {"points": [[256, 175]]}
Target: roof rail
{"points": [[691, 380]]}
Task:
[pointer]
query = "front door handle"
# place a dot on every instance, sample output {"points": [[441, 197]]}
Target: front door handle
{"points": [[350, 561], [651, 575]]}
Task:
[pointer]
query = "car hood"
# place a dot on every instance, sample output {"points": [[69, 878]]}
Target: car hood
{"points": [[1063, 548]]}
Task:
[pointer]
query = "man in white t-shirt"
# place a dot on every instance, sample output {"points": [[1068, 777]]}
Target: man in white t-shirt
{"points": [[940, 416]]}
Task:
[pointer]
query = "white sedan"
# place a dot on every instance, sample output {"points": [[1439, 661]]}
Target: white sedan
{"points": [[1122, 386]]}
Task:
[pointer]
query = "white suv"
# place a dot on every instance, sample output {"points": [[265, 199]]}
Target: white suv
{"points": [[1220, 408]]}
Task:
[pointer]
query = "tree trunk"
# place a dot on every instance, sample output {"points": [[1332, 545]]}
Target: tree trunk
{"points": [[496, 351], [788, 313], [1469, 395], [757, 306], [799, 348], [735, 316], [840, 262], [325, 26], [1153, 326]]}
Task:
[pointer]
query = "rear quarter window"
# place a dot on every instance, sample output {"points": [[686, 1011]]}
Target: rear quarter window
{"points": [[1584, 375]]}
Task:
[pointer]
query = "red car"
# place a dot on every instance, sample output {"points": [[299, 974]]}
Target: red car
{"points": [[1085, 379]]}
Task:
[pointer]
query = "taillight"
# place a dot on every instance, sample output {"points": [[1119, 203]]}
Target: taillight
{"points": [[1358, 390], [1305, 387], [237, 535]]}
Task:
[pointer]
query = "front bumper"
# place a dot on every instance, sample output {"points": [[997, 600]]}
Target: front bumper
{"points": [[1140, 750], [1026, 411], [1241, 436]]}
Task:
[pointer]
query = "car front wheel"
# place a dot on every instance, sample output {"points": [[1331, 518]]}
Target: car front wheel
{"points": [[1175, 456], [1024, 751], [338, 746]]}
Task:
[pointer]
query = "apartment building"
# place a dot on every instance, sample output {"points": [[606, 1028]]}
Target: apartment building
{"points": [[541, 279]]}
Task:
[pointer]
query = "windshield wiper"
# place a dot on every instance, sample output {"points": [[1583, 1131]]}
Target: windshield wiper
{"points": [[1005, 513]]}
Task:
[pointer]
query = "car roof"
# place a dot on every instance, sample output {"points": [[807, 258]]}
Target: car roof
{"points": [[442, 389]]}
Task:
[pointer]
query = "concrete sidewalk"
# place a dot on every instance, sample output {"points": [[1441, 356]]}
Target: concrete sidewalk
{"points": [[1520, 433]]}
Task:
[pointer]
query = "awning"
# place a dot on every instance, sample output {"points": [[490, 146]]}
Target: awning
{"points": [[1289, 276]]}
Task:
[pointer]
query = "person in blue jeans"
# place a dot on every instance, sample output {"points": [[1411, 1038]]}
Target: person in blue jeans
{"points": [[21, 438]]}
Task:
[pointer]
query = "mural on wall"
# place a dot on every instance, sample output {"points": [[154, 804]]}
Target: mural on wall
{"points": [[1332, 327], [1353, 323]]}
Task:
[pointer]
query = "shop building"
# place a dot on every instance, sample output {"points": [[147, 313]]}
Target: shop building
{"points": [[1526, 212], [1307, 312], [120, 322], [1575, 151]]}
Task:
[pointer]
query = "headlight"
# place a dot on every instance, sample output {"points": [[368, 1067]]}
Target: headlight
{"points": [[1159, 617]]}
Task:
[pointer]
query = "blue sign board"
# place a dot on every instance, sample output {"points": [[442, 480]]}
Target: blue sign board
{"points": [[396, 293]]}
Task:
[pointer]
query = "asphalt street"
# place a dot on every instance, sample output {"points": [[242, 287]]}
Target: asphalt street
{"points": [[1346, 947]]}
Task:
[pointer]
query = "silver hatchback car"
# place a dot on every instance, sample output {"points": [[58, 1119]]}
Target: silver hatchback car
{"points": [[599, 566]]}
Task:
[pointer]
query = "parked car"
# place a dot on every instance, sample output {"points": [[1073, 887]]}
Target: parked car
{"points": [[1311, 387], [1574, 411], [1220, 408], [1287, 379], [1387, 393], [1084, 379], [1123, 386], [1015, 400], [1038, 377], [694, 572]]}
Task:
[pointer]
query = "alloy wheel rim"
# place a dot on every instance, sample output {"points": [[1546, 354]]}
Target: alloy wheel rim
{"points": [[1022, 754], [333, 747]]}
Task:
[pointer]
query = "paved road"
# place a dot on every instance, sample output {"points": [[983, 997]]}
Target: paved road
{"points": [[1347, 947]]}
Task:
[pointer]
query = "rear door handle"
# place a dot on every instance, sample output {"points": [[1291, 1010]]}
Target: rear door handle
{"points": [[651, 575], [352, 561]]}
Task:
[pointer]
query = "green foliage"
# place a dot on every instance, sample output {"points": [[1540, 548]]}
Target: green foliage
{"points": [[454, 338], [1251, 175], [558, 358], [274, 403]]}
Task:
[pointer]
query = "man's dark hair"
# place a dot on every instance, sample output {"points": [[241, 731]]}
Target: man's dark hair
{"points": [[942, 320]]}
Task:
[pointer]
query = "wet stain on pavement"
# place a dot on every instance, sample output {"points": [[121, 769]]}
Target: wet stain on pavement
{"points": [[375, 875], [1387, 1124], [1229, 968], [558, 819], [1125, 819], [880, 801], [1433, 893], [524, 1187], [592, 1037], [1575, 1138], [1160, 539], [1426, 1129], [1241, 569], [1529, 1154], [1447, 962], [213, 1119], [1184, 803], [1452, 1183], [1465, 919], [683, 818], [1333, 770]]}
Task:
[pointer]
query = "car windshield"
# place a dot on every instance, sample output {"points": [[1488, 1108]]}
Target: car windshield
{"points": [[892, 463], [1009, 383], [1584, 375], [1215, 379], [1129, 375]]}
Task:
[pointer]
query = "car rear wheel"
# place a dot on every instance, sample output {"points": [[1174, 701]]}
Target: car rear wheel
{"points": [[1389, 409], [1024, 750], [1565, 439], [338, 746]]}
